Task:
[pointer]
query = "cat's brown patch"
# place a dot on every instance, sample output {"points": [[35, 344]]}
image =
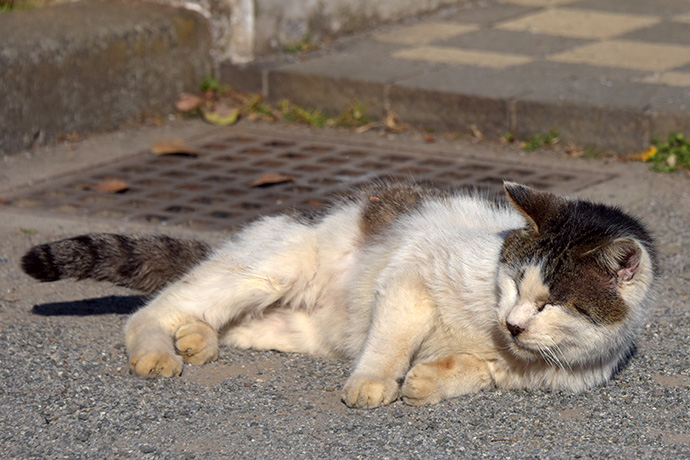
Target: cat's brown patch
{"points": [[385, 203], [444, 364], [589, 291]]}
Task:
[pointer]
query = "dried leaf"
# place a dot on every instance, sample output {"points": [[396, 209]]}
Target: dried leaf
{"points": [[111, 186], [69, 137], [368, 127], [271, 178], [646, 155], [173, 147], [574, 150], [429, 138], [188, 102], [672, 160], [222, 115], [649, 153], [476, 133], [393, 124]]}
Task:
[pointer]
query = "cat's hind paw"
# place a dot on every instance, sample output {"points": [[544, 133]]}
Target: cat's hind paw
{"points": [[369, 392], [148, 363], [421, 386], [197, 343]]}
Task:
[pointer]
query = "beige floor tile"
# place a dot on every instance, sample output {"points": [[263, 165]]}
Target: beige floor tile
{"points": [[539, 3], [628, 55], [579, 23], [447, 55], [670, 78], [421, 34], [682, 18]]}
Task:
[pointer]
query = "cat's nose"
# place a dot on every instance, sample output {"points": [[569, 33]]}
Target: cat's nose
{"points": [[513, 329]]}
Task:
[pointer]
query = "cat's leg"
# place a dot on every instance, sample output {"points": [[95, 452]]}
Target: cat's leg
{"points": [[288, 330], [448, 377], [197, 343], [184, 320], [402, 316]]}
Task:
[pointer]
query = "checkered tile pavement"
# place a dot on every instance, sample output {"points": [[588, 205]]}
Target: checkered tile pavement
{"points": [[651, 37]]}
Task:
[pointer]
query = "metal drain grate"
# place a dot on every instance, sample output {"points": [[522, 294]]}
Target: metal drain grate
{"points": [[212, 190]]}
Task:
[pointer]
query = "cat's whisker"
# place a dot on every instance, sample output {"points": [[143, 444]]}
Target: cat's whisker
{"points": [[557, 354], [546, 352], [550, 360], [559, 362], [558, 350]]}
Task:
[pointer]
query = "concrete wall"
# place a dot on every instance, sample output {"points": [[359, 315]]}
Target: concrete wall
{"points": [[245, 29], [94, 66], [283, 22]]}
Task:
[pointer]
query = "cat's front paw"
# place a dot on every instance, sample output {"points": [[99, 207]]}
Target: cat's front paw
{"points": [[421, 386], [369, 392], [154, 363], [197, 343]]}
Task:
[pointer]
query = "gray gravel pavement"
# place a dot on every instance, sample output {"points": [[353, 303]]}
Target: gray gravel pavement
{"points": [[66, 392]]}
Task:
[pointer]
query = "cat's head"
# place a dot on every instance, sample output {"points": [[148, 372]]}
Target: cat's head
{"points": [[575, 281]]}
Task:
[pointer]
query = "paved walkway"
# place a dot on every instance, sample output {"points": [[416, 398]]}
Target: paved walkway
{"points": [[612, 74]]}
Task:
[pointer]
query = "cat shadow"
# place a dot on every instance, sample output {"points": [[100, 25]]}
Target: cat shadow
{"points": [[110, 305]]}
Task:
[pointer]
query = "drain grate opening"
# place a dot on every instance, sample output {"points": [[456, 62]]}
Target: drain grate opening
{"points": [[212, 189]]}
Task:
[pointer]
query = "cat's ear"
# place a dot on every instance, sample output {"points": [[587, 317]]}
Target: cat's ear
{"points": [[536, 206], [620, 258]]}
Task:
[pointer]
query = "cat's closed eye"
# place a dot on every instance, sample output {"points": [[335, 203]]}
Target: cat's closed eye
{"points": [[584, 313]]}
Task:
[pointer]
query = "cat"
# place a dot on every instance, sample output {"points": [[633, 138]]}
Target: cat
{"points": [[431, 294]]}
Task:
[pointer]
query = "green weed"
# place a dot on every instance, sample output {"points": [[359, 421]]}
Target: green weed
{"points": [[10, 5], [301, 46], [670, 155], [295, 114], [538, 141], [211, 84], [353, 116]]}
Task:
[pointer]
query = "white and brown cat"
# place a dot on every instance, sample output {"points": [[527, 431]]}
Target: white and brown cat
{"points": [[432, 295]]}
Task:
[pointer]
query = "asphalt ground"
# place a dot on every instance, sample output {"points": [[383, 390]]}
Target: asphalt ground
{"points": [[66, 391]]}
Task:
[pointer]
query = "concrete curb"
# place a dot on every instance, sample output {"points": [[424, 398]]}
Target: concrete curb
{"points": [[618, 128], [94, 66]]}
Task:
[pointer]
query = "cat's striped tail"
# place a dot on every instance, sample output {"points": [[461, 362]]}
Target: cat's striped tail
{"points": [[143, 262]]}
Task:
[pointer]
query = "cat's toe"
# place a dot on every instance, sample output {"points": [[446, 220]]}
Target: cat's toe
{"points": [[367, 393], [156, 363], [421, 386], [197, 343]]}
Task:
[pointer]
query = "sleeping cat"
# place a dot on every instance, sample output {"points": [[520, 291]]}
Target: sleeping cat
{"points": [[432, 295]]}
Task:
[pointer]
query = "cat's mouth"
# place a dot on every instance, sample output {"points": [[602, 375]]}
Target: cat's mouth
{"points": [[520, 347], [517, 345], [552, 356]]}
